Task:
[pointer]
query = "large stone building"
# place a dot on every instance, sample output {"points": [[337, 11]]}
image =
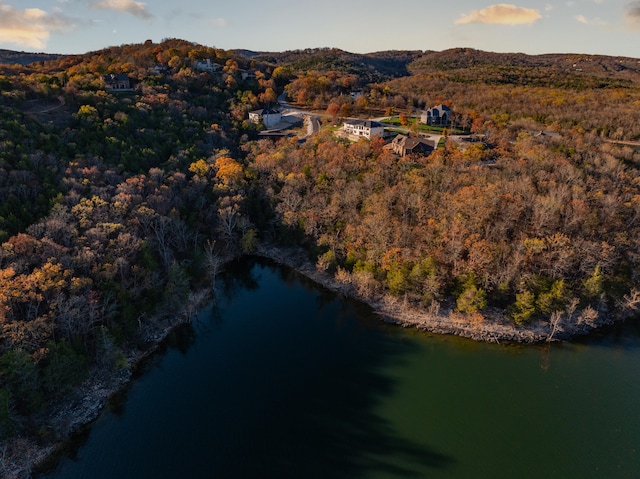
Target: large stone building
{"points": [[437, 116]]}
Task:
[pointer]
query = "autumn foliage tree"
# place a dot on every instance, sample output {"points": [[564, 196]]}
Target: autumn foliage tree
{"points": [[544, 223], [107, 212]]}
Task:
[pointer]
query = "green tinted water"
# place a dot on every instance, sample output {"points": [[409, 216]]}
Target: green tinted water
{"points": [[283, 379]]}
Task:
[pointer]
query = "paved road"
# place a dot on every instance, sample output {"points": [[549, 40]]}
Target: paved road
{"points": [[313, 125], [312, 119]]}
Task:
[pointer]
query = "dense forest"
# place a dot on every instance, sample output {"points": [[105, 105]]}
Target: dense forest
{"points": [[116, 207], [113, 207]]}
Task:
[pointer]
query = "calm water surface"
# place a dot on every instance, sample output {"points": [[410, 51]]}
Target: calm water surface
{"points": [[282, 379]]}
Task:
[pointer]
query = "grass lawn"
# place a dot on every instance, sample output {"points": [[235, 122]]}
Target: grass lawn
{"points": [[395, 121]]}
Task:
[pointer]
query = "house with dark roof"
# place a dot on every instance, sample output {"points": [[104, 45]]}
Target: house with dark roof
{"points": [[437, 116], [364, 128], [117, 82], [403, 145], [268, 116]]}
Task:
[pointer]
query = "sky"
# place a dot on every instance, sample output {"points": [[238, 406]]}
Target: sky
{"points": [[607, 27]]}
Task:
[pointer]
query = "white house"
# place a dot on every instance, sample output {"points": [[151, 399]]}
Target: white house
{"points": [[206, 66], [365, 128], [160, 69], [268, 116]]}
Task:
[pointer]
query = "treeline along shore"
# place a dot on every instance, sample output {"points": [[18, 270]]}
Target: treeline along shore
{"points": [[129, 176]]}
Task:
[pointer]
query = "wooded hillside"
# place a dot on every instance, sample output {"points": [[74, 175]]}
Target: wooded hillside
{"points": [[115, 206]]}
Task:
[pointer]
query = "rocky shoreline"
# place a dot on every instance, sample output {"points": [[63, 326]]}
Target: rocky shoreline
{"points": [[492, 326], [20, 457]]}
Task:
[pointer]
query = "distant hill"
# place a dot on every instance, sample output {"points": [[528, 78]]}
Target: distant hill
{"points": [[560, 70], [374, 67], [567, 70], [11, 57], [469, 58]]}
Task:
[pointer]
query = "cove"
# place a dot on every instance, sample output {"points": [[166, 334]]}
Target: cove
{"points": [[280, 378]]}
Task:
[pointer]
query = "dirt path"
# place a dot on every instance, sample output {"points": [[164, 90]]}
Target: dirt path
{"points": [[40, 106], [623, 142]]}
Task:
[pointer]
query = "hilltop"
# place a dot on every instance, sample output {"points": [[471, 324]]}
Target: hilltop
{"points": [[24, 58], [468, 63], [370, 67]]}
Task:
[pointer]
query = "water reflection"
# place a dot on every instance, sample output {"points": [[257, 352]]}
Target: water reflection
{"points": [[280, 378], [322, 420]]}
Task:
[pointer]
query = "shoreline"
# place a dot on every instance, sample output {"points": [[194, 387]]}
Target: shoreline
{"points": [[492, 325], [20, 458]]}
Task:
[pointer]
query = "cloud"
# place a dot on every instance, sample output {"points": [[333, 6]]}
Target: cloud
{"points": [[31, 27], [589, 21], [217, 22], [632, 15], [139, 9], [501, 14]]}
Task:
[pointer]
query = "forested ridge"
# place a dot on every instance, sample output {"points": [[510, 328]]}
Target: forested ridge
{"points": [[115, 207]]}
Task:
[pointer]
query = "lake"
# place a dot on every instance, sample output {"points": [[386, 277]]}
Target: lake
{"points": [[280, 378]]}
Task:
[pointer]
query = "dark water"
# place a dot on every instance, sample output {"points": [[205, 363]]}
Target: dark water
{"points": [[282, 379]]}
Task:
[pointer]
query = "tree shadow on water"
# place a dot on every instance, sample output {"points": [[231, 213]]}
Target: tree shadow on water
{"points": [[325, 423], [238, 275], [337, 433], [296, 391]]}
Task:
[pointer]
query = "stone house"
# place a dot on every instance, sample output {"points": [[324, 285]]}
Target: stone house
{"points": [[117, 82], [403, 145], [437, 116]]}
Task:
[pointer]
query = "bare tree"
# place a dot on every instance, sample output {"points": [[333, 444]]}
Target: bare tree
{"points": [[631, 302], [213, 259], [554, 321], [161, 229]]}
